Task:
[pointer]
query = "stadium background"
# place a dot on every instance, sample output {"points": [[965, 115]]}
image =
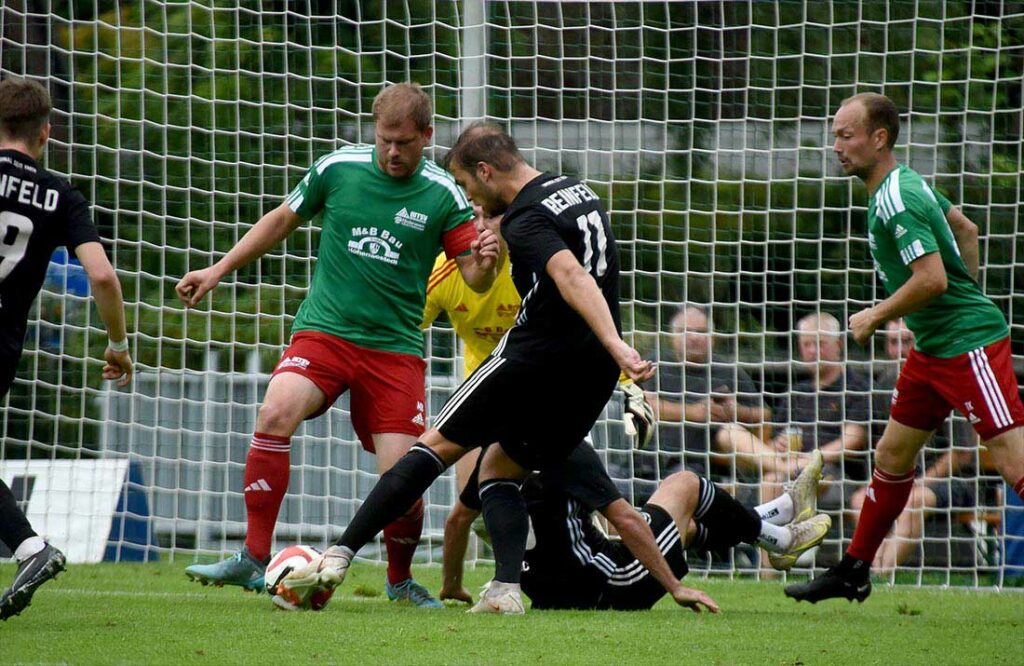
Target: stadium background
{"points": [[703, 126]]}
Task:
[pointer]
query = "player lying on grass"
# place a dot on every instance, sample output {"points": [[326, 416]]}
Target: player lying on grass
{"points": [[571, 564]]}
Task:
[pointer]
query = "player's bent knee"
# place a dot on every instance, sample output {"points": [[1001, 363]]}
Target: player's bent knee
{"points": [[461, 515], [684, 480], [275, 418]]}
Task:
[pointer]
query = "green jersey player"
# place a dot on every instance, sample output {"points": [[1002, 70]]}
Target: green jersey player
{"points": [[385, 212], [925, 254]]}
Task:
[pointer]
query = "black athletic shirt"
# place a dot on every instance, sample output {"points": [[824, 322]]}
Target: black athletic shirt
{"points": [[38, 213], [553, 213]]}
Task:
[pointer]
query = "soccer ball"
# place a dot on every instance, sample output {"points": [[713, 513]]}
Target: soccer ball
{"points": [[287, 561]]}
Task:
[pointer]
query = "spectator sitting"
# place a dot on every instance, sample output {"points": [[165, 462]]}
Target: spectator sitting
{"points": [[940, 487], [707, 409], [830, 411]]}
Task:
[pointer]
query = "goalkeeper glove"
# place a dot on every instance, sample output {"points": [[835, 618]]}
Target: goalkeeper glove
{"points": [[637, 414]]}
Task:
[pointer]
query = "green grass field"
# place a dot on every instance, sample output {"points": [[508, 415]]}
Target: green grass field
{"points": [[109, 614]]}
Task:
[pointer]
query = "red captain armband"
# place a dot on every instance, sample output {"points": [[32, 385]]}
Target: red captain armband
{"points": [[457, 240]]}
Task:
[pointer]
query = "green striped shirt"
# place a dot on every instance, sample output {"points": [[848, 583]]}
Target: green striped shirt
{"points": [[907, 220], [379, 238]]}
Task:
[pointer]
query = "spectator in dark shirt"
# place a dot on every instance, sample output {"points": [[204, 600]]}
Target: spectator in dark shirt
{"points": [[708, 410], [829, 411]]}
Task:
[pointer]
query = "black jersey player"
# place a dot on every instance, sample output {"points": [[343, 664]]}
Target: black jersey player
{"points": [[38, 213]]}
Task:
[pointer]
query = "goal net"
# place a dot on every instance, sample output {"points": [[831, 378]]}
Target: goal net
{"points": [[704, 127]]}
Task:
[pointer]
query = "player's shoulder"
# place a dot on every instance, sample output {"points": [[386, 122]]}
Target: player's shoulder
{"points": [[529, 203], [444, 182], [14, 163], [358, 154], [903, 190]]}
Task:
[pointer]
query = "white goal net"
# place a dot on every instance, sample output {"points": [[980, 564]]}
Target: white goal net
{"points": [[704, 126]]}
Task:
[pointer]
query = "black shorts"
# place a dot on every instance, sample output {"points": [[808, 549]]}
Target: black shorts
{"points": [[631, 586], [537, 414]]}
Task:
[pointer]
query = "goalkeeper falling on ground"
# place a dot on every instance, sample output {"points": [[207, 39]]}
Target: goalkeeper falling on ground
{"points": [[571, 564]]}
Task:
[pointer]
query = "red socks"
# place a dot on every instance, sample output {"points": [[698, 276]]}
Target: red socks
{"points": [[401, 538], [266, 481], [886, 498], [1019, 488]]}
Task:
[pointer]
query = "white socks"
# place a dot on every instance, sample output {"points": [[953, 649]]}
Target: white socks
{"points": [[779, 511], [774, 515], [29, 547], [775, 538]]}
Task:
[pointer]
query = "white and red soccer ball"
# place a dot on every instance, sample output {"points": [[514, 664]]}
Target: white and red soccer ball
{"points": [[283, 563]]}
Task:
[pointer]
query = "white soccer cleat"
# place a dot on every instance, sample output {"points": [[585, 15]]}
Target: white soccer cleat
{"points": [[501, 598], [806, 535], [804, 490]]}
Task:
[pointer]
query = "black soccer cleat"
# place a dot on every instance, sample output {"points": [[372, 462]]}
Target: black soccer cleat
{"points": [[32, 572], [833, 584]]}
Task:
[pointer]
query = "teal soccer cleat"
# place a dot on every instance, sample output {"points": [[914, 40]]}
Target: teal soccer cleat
{"points": [[240, 569], [411, 591]]}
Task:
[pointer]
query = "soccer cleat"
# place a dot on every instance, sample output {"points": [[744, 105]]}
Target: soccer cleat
{"points": [[804, 490], [411, 591], [501, 598], [324, 572], [806, 535], [833, 584], [240, 569], [32, 572]]}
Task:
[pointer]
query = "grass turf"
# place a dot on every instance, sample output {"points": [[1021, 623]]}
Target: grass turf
{"points": [[109, 614]]}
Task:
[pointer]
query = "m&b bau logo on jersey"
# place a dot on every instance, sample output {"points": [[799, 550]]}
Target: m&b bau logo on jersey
{"points": [[374, 243], [411, 219]]}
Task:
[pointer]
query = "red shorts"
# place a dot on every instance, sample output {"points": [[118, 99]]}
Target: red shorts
{"points": [[980, 384], [388, 393]]}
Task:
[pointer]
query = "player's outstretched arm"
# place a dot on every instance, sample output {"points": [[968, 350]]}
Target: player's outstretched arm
{"points": [[966, 234], [927, 282], [106, 289], [265, 234], [580, 291], [639, 538]]}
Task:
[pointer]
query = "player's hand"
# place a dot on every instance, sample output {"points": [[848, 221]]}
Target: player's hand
{"points": [[195, 284], [118, 366], [694, 599], [631, 363], [638, 415], [486, 249], [455, 593], [863, 325]]}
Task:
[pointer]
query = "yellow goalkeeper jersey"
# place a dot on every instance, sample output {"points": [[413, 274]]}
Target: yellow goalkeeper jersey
{"points": [[480, 320]]}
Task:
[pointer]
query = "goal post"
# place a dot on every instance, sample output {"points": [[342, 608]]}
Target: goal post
{"points": [[704, 127]]}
